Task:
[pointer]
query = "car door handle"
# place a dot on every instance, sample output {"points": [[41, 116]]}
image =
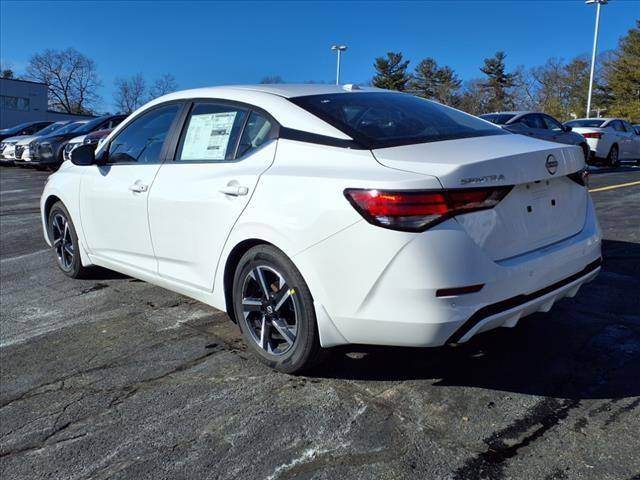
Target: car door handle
{"points": [[234, 190], [138, 187]]}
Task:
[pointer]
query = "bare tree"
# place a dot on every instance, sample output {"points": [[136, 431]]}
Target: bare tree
{"points": [[162, 86], [130, 93], [71, 77]]}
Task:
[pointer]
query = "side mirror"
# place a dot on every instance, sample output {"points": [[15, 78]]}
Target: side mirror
{"points": [[83, 155]]}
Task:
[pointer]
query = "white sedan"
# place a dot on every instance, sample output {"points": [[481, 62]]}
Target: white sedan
{"points": [[320, 215], [610, 139]]}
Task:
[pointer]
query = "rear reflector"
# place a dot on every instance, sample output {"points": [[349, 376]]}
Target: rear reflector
{"points": [[415, 211], [592, 135], [448, 292]]}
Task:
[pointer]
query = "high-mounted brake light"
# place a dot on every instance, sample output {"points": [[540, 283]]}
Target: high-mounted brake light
{"points": [[592, 135], [415, 211]]}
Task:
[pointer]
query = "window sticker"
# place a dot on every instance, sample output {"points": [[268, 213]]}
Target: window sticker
{"points": [[208, 136]]}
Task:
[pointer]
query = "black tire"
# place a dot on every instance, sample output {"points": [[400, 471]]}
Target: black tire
{"points": [[264, 320], [64, 241], [613, 159], [586, 151]]}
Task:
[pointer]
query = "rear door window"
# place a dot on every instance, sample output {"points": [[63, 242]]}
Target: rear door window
{"points": [[211, 133]]}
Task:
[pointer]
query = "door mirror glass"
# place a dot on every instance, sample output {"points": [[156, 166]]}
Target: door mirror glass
{"points": [[83, 155], [566, 128]]}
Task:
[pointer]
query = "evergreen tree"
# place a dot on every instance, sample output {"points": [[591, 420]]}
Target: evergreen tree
{"points": [[623, 77], [498, 82], [391, 72], [437, 83]]}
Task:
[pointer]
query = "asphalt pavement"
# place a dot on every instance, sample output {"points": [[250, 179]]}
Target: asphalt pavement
{"points": [[111, 377]]}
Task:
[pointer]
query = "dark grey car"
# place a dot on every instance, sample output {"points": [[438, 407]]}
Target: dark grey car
{"points": [[538, 125]]}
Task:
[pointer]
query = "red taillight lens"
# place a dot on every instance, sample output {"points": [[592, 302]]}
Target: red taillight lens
{"points": [[592, 135], [415, 211]]}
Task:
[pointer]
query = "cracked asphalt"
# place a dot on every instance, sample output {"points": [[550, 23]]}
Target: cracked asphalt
{"points": [[111, 377]]}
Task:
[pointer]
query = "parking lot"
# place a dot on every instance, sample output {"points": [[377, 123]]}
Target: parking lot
{"points": [[112, 377]]}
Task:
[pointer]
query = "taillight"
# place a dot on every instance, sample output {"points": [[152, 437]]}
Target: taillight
{"points": [[592, 135], [415, 211]]}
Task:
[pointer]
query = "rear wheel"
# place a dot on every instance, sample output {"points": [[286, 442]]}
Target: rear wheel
{"points": [[613, 158], [64, 242], [274, 309]]}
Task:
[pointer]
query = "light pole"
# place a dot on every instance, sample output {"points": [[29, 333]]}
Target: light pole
{"points": [[339, 49], [598, 3]]}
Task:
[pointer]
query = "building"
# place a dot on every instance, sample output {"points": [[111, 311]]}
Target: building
{"points": [[23, 101]]}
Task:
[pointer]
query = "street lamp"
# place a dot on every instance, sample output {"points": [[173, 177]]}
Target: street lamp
{"points": [[339, 49], [598, 3]]}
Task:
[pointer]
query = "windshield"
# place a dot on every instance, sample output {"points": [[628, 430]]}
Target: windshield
{"points": [[50, 129], [91, 125], [589, 122], [68, 128], [17, 128], [383, 119], [497, 118]]}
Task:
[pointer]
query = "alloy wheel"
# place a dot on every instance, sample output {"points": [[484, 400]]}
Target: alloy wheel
{"points": [[269, 310], [62, 241]]}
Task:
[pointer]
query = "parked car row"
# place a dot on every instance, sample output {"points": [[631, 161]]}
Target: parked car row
{"points": [[607, 140], [45, 145]]}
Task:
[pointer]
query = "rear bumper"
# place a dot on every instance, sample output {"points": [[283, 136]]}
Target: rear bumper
{"points": [[384, 292]]}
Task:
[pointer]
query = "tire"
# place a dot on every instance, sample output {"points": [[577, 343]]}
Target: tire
{"points": [[613, 158], [586, 151], [279, 325], [64, 242]]}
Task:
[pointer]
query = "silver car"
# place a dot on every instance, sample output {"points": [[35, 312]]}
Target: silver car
{"points": [[538, 125]]}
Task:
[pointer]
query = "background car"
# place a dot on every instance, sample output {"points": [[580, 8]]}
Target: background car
{"points": [[48, 152], [80, 139], [538, 125], [321, 215], [28, 128], [95, 138], [13, 147], [610, 139]]}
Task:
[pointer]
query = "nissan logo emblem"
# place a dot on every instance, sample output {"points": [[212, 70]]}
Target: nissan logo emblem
{"points": [[551, 164]]}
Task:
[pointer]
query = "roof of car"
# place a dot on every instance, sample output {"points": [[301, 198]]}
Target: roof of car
{"points": [[604, 119], [287, 90]]}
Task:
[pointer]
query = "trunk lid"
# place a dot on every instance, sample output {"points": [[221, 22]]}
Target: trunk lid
{"points": [[542, 208]]}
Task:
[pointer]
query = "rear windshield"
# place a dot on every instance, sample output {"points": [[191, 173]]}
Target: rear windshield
{"points": [[593, 123], [383, 119], [497, 118]]}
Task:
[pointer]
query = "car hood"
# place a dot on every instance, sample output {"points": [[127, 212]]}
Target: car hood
{"points": [[78, 139], [17, 138], [63, 137]]}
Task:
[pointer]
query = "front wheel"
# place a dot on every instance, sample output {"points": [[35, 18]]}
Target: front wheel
{"points": [[274, 309], [64, 242], [613, 158]]}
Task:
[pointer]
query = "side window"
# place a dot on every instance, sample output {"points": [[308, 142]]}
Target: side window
{"points": [[141, 141], [617, 125], [211, 133], [552, 123], [256, 132], [533, 121]]}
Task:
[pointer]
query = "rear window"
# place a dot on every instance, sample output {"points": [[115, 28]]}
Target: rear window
{"points": [[589, 123], [497, 118], [378, 119]]}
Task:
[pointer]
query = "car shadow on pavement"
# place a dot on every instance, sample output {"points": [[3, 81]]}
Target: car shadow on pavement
{"points": [[586, 347]]}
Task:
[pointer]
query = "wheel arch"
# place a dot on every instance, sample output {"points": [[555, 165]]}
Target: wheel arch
{"points": [[48, 205], [233, 259]]}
